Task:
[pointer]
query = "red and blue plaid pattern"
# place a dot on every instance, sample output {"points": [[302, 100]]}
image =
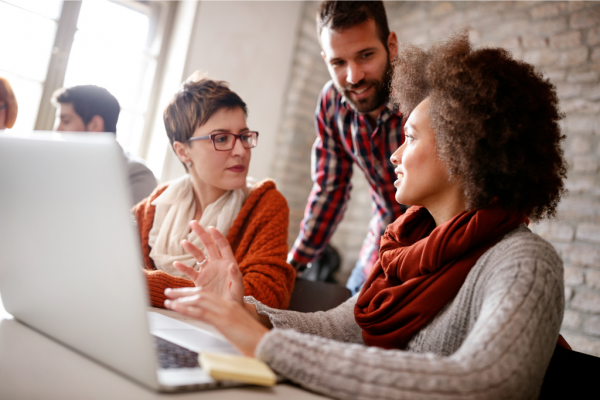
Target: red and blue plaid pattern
{"points": [[345, 137]]}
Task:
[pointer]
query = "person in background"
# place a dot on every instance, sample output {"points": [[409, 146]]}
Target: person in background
{"points": [[206, 125], [90, 108], [356, 123], [465, 301], [8, 105]]}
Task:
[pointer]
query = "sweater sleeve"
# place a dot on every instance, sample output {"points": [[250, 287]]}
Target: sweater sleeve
{"points": [[518, 313], [267, 275], [337, 324], [158, 281]]}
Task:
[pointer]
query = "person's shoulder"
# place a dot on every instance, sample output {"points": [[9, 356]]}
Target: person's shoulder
{"points": [[147, 202], [264, 195], [522, 247], [136, 164], [524, 242], [267, 189]]}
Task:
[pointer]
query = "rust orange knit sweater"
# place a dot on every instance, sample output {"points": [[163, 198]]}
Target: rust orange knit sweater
{"points": [[258, 238]]}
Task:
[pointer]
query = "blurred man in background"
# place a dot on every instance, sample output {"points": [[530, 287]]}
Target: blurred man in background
{"points": [[90, 108]]}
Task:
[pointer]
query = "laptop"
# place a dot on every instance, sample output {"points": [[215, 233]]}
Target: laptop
{"points": [[71, 266]]}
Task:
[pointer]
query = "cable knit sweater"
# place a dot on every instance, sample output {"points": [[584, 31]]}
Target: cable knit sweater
{"points": [[258, 238], [493, 341]]}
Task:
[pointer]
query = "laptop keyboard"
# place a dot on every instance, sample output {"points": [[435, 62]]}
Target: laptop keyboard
{"points": [[171, 355]]}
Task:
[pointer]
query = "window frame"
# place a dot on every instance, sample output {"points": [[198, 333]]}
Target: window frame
{"points": [[161, 15]]}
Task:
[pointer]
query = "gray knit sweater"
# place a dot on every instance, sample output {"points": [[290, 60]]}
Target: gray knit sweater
{"points": [[493, 341]]}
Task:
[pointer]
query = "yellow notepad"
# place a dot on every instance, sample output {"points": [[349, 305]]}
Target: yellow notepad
{"points": [[237, 368]]}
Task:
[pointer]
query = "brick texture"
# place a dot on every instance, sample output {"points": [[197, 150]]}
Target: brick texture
{"points": [[562, 39]]}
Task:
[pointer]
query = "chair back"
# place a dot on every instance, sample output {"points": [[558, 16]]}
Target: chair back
{"points": [[571, 375], [324, 267], [311, 296]]}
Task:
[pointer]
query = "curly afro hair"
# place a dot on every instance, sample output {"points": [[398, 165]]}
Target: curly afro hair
{"points": [[495, 121]]}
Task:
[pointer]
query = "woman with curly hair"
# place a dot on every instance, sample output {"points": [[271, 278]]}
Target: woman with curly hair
{"points": [[465, 301]]}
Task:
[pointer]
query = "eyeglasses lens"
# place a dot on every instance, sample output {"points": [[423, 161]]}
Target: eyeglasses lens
{"points": [[226, 141]]}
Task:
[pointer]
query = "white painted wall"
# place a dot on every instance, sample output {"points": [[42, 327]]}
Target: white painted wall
{"points": [[159, 150], [249, 44]]}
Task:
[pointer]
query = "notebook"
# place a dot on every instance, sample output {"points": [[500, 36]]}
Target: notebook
{"points": [[237, 368]]}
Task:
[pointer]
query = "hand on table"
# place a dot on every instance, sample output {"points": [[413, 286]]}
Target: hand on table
{"points": [[219, 273], [238, 326]]}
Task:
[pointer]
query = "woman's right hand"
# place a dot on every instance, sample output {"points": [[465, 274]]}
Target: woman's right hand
{"points": [[219, 273], [238, 326]]}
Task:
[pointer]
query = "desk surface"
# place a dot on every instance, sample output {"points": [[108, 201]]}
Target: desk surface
{"points": [[32, 366]]}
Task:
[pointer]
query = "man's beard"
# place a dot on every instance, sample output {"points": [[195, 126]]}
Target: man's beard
{"points": [[377, 99]]}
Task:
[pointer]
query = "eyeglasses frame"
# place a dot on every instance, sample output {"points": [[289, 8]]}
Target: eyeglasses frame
{"points": [[236, 135]]}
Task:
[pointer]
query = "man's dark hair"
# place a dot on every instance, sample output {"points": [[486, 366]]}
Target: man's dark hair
{"points": [[342, 15], [88, 101]]}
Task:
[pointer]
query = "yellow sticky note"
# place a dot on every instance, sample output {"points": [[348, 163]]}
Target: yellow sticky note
{"points": [[237, 368]]}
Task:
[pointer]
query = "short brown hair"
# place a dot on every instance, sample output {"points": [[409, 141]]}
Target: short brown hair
{"points": [[195, 102], [341, 15], [496, 122]]}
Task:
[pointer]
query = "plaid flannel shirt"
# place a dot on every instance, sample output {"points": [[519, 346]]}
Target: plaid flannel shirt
{"points": [[344, 137]]}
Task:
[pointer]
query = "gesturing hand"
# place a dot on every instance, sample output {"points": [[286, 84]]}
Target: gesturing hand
{"points": [[219, 273], [231, 319]]}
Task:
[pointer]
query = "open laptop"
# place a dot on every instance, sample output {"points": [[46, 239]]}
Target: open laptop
{"points": [[70, 260]]}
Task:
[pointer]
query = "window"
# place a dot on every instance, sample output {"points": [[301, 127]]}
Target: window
{"points": [[28, 29], [113, 44]]}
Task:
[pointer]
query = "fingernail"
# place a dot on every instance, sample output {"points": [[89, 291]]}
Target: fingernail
{"points": [[167, 290]]}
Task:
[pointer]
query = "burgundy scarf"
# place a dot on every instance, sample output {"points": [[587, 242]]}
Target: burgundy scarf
{"points": [[421, 268]]}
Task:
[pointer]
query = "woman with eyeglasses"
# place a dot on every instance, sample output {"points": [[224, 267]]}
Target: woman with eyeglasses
{"points": [[215, 203]]}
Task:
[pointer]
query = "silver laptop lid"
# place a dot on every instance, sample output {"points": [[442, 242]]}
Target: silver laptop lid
{"points": [[69, 253]]}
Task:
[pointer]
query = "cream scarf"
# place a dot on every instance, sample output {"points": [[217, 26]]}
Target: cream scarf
{"points": [[175, 208]]}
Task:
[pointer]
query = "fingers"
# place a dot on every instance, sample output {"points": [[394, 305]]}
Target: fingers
{"points": [[202, 313], [236, 287], [206, 239], [189, 271], [181, 292], [221, 242], [186, 309], [193, 250], [207, 307]]}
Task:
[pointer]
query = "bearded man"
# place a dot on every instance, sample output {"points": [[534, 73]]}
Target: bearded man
{"points": [[356, 123]]}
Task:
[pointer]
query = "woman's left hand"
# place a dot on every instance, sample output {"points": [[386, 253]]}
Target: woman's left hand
{"points": [[231, 318], [219, 273]]}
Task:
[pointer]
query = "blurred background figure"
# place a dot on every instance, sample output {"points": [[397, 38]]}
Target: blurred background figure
{"points": [[8, 105], [89, 108]]}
